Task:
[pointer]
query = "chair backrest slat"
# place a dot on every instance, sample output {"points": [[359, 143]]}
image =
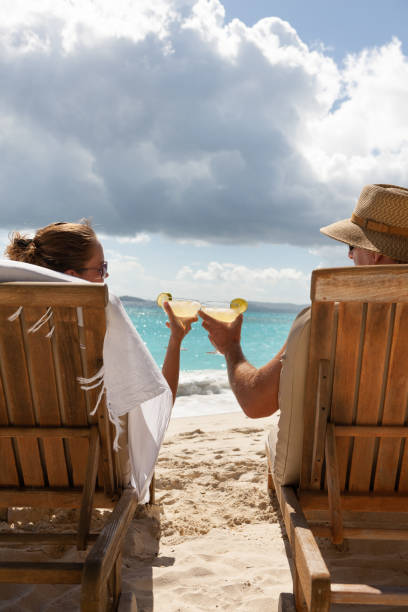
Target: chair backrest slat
{"points": [[94, 326], [16, 384], [72, 398], [370, 393], [321, 335], [390, 453], [346, 381], [41, 369], [8, 472]]}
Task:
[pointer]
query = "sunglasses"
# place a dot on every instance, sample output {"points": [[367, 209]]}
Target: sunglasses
{"points": [[102, 270]]}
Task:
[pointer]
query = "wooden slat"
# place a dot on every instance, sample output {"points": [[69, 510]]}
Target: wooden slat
{"points": [[8, 472], [322, 413], [47, 498], [40, 573], [370, 392], [313, 574], [353, 501], [94, 328], [53, 294], [370, 431], [361, 284], [356, 533], [403, 479], [89, 489], [42, 538], [351, 318], [18, 395], [321, 332], [395, 405], [45, 432], [72, 401], [369, 594], [333, 486], [44, 392]]}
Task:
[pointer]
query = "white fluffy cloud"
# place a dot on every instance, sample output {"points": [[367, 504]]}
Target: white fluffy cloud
{"points": [[160, 117], [226, 280]]}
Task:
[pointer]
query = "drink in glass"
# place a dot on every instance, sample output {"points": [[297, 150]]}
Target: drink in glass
{"points": [[182, 308], [222, 311]]}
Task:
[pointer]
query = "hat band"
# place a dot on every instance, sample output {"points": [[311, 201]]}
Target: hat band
{"points": [[376, 226]]}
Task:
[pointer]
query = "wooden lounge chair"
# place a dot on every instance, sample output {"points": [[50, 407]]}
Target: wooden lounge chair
{"points": [[354, 475], [53, 454]]}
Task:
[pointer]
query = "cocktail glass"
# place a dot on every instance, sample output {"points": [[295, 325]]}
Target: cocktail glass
{"points": [[226, 312], [183, 308], [220, 311]]}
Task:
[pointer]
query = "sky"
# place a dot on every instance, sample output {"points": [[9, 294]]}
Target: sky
{"points": [[207, 140]]}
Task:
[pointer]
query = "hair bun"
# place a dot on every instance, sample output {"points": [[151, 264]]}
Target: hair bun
{"points": [[23, 243]]}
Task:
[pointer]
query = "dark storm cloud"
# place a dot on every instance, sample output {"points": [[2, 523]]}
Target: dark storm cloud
{"points": [[165, 134]]}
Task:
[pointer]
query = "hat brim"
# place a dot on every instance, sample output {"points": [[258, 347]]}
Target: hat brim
{"points": [[350, 233]]}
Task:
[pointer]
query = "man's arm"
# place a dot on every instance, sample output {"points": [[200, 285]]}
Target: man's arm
{"points": [[256, 389]]}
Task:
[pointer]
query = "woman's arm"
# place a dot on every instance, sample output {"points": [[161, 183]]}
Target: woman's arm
{"points": [[179, 328]]}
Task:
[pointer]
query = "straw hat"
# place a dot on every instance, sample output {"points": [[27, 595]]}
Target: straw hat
{"points": [[379, 222]]}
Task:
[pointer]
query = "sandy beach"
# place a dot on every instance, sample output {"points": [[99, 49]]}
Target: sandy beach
{"points": [[212, 542]]}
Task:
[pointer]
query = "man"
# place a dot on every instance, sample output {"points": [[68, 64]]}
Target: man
{"points": [[377, 234]]}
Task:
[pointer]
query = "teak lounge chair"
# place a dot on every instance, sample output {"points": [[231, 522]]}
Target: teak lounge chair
{"points": [[53, 454], [354, 474]]}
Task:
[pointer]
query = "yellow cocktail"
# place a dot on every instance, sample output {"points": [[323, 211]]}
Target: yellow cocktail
{"points": [[182, 308], [222, 312]]}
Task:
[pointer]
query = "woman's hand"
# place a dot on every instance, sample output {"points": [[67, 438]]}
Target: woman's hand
{"points": [[178, 327], [223, 336]]}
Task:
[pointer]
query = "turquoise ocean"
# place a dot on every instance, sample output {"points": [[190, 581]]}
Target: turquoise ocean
{"points": [[203, 386]]}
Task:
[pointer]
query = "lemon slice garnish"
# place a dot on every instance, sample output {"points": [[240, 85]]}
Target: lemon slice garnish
{"points": [[239, 304], [163, 297]]}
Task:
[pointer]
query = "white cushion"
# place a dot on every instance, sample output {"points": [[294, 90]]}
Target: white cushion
{"points": [[285, 439]]}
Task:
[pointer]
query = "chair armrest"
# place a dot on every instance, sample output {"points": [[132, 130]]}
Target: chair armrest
{"points": [[101, 558], [312, 570]]}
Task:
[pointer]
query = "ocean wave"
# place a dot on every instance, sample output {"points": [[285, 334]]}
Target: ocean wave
{"points": [[203, 382]]}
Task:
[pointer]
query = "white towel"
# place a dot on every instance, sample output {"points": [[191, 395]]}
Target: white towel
{"points": [[132, 380]]}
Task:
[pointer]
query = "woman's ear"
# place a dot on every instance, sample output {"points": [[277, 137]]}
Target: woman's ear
{"points": [[72, 273]]}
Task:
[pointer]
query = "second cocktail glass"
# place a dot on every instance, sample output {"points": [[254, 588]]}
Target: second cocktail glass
{"points": [[223, 311]]}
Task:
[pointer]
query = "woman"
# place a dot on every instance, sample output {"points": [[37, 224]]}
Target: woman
{"points": [[73, 248]]}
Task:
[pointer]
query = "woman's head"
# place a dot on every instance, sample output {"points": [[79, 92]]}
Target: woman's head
{"points": [[72, 248]]}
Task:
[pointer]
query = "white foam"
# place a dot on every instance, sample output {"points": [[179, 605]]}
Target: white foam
{"points": [[203, 392], [202, 382]]}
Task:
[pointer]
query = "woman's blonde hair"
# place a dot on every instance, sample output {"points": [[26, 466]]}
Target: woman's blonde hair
{"points": [[58, 246]]}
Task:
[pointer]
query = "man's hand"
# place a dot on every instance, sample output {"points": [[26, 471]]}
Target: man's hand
{"points": [[178, 327], [223, 336]]}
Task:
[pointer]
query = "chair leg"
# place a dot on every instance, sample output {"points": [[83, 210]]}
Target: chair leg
{"points": [[300, 601], [115, 582], [152, 490], [270, 485]]}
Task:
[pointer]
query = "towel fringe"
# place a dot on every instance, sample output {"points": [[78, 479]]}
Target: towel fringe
{"points": [[16, 314], [41, 321], [92, 383]]}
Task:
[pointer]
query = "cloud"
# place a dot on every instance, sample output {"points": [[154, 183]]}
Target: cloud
{"points": [[216, 271], [141, 238], [158, 117], [226, 280]]}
